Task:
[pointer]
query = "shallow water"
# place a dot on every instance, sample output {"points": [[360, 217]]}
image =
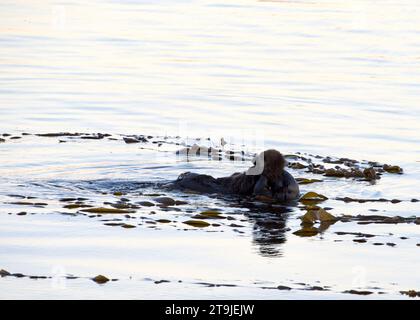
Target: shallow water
{"points": [[327, 77]]}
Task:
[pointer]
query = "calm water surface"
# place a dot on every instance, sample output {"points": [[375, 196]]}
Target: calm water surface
{"points": [[326, 77]]}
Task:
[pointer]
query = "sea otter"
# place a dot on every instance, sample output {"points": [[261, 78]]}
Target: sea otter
{"points": [[266, 177]]}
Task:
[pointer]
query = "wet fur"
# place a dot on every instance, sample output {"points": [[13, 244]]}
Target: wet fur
{"points": [[244, 184], [274, 164], [272, 180]]}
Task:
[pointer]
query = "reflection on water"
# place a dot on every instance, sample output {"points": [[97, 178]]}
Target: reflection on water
{"points": [[269, 231], [43, 203]]}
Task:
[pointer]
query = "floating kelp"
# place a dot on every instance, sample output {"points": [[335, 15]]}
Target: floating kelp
{"points": [[207, 284], [146, 203], [38, 277], [97, 136], [357, 234], [204, 217], [392, 169], [129, 140], [359, 240], [128, 226], [4, 273], [283, 288], [337, 161], [211, 213], [368, 219], [18, 275], [77, 206], [161, 281], [370, 174], [136, 139], [345, 168], [297, 165], [100, 279], [163, 221], [60, 134], [312, 198], [277, 288], [68, 199], [122, 205], [16, 196], [306, 231], [107, 210], [316, 288], [320, 215], [114, 224], [344, 173], [72, 199], [348, 199], [411, 293], [166, 201], [35, 204], [197, 223], [234, 225], [362, 293], [307, 181]]}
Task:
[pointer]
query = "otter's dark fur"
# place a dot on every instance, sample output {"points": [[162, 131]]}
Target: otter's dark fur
{"points": [[267, 177]]}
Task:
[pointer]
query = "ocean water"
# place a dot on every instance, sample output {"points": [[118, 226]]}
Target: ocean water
{"points": [[330, 78]]}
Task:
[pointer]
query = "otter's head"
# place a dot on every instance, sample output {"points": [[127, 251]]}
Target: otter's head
{"points": [[274, 164]]}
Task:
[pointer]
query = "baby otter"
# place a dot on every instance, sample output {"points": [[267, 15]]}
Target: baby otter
{"points": [[266, 177]]}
